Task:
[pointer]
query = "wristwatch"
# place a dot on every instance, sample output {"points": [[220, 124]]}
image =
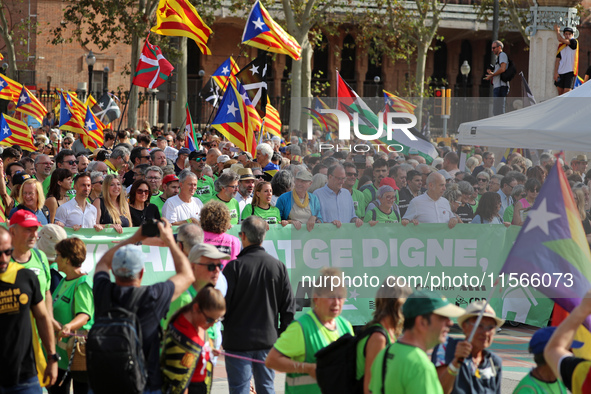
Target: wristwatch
{"points": [[55, 357]]}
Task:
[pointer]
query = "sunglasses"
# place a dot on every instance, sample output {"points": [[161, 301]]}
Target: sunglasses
{"points": [[142, 191], [482, 180], [351, 174], [145, 157], [211, 266], [7, 252], [259, 176], [209, 320], [198, 159], [94, 183], [71, 162]]}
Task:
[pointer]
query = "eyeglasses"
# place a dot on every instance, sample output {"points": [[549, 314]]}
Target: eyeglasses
{"points": [[259, 176], [7, 252], [142, 191], [198, 159], [94, 183], [45, 164], [145, 157], [484, 180], [351, 174], [71, 162], [153, 178], [67, 143], [232, 187], [340, 178], [209, 320], [212, 266]]}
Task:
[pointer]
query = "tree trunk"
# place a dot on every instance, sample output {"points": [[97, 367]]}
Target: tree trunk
{"points": [[422, 48], [133, 100], [301, 81], [296, 94], [7, 37], [178, 106]]}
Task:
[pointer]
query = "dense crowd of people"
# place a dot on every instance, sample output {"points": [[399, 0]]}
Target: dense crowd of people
{"points": [[227, 292]]}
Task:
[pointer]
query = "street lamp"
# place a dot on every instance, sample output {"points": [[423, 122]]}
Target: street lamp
{"points": [[377, 80], [465, 70], [90, 60], [199, 106]]}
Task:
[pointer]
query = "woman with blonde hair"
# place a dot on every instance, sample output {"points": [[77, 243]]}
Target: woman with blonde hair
{"points": [[383, 329], [112, 208], [31, 197], [294, 354]]}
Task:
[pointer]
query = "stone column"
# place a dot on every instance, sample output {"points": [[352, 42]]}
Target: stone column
{"points": [[543, 43]]}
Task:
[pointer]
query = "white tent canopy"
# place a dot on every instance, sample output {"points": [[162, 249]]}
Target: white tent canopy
{"points": [[561, 123]]}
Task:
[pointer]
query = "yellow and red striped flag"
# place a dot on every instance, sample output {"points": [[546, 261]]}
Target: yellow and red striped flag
{"points": [[272, 120], [180, 18], [29, 104], [227, 69], [262, 32], [16, 132], [398, 104], [71, 118], [9, 89]]}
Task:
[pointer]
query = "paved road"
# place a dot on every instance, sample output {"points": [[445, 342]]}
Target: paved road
{"points": [[510, 344]]}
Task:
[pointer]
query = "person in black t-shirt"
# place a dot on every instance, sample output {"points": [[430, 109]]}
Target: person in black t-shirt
{"points": [[20, 294], [127, 263]]}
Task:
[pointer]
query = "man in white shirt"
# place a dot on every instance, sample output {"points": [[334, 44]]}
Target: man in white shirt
{"points": [[183, 207], [246, 182], [431, 207], [78, 212]]}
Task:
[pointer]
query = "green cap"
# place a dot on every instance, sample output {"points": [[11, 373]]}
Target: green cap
{"points": [[422, 302]]}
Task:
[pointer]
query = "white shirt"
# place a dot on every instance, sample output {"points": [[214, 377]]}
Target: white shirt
{"points": [[242, 202], [426, 210], [176, 210], [70, 214]]}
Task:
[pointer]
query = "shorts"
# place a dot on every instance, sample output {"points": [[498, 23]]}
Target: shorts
{"points": [[565, 81]]}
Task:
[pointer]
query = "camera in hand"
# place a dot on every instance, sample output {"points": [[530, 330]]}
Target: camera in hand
{"points": [[150, 228]]}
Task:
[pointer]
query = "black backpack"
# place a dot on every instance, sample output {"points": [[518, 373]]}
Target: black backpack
{"points": [[509, 72], [336, 364], [115, 358]]}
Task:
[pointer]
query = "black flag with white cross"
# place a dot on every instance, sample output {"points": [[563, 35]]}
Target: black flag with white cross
{"points": [[253, 78]]}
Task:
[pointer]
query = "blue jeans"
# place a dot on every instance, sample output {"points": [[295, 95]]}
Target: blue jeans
{"points": [[29, 386], [499, 95], [145, 391], [240, 371]]}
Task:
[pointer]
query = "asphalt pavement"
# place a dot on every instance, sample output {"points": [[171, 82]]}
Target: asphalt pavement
{"points": [[510, 344]]}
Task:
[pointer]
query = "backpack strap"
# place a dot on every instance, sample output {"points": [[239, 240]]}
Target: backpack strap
{"points": [[374, 214], [384, 368], [369, 331], [44, 262], [133, 303]]}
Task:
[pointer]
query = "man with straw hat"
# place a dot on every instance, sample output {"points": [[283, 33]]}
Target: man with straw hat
{"points": [[466, 366]]}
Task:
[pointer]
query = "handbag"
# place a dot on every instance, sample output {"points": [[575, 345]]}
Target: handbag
{"points": [[76, 348]]}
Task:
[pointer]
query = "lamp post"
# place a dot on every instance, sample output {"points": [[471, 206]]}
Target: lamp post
{"points": [[90, 60], [377, 80], [199, 106]]}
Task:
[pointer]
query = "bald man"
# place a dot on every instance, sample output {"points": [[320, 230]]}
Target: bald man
{"points": [[431, 207]]}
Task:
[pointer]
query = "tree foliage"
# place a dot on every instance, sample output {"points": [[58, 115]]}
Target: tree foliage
{"points": [[15, 26], [512, 15]]}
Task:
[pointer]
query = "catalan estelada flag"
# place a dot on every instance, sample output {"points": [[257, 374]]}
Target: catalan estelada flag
{"points": [[330, 120], [398, 104], [15, 132], [552, 246], [180, 18], [94, 131], [29, 104], [227, 69], [70, 118], [232, 120], [261, 31], [9, 89]]}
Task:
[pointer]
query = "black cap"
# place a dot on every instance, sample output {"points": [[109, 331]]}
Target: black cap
{"points": [[569, 29], [197, 153]]}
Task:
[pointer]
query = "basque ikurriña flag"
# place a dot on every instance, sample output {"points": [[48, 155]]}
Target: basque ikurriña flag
{"points": [[152, 69], [553, 248]]}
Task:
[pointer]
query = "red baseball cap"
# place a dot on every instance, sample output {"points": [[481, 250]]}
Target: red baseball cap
{"points": [[387, 181], [24, 218], [169, 178]]}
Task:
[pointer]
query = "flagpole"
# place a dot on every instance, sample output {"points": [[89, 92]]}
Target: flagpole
{"points": [[125, 107]]}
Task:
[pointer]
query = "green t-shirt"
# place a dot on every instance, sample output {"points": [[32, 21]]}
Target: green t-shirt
{"points": [[39, 265], [531, 385], [359, 202], [291, 342], [408, 370], [381, 217], [508, 215], [234, 208], [271, 215], [45, 185], [157, 200], [180, 302], [80, 291], [205, 189]]}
